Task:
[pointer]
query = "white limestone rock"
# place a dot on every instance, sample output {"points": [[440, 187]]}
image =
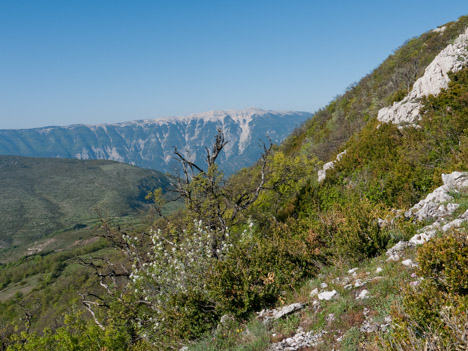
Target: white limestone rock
{"points": [[270, 315], [358, 283], [321, 174], [364, 294], [453, 58], [314, 292], [435, 206], [397, 248], [409, 263], [299, 341], [327, 295]]}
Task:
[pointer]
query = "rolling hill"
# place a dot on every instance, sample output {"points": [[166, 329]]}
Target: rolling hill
{"points": [[49, 203]]}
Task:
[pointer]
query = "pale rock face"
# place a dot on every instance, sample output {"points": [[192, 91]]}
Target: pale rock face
{"points": [[277, 313], [409, 263], [299, 341], [453, 58], [435, 206], [322, 173], [327, 295], [364, 294]]}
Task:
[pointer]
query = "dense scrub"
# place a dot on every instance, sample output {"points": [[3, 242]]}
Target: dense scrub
{"points": [[433, 314]]}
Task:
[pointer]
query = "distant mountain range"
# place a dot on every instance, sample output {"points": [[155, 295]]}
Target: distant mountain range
{"points": [[150, 143]]}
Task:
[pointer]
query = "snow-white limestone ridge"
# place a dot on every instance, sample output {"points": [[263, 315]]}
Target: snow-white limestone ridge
{"points": [[150, 143], [453, 58], [438, 206], [322, 173]]}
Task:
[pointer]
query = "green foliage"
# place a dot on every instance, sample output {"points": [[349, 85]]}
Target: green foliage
{"points": [[256, 270], [353, 230], [331, 127], [75, 335], [434, 309], [56, 202], [445, 262]]}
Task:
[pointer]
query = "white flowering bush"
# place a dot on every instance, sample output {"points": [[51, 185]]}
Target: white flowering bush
{"points": [[172, 283]]}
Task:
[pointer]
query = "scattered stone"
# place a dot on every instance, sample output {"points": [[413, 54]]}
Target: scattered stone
{"points": [[378, 270], [328, 295], [371, 326], [299, 341], [358, 283], [364, 294], [345, 280], [409, 263], [323, 285], [348, 287], [226, 318], [387, 323], [394, 257], [396, 249], [314, 292], [270, 315], [330, 318], [354, 270], [185, 348], [368, 327]]}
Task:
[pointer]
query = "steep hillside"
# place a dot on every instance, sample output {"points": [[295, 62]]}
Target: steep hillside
{"points": [[150, 143], [325, 134], [49, 203]]}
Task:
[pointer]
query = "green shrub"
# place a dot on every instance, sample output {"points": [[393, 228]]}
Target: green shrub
{"points": [[433, 311], [253, 275], [353, 230]]}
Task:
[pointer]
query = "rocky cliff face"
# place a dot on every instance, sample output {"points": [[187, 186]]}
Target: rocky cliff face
{"points": [[150, 143], [452, 59]]}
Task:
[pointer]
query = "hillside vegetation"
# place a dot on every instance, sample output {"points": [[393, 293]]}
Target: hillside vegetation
{"points": [[48, 204], [272, 235]]}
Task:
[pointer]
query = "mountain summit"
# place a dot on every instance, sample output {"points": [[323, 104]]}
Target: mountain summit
{"points": [[150, 143]]}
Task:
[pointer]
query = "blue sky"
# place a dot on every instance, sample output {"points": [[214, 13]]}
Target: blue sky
{"points": [[95, 61]]}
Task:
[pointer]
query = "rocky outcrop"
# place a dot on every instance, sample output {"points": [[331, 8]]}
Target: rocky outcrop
{"points": [[321, 174], [270, 315], [299, 341], [452, 59], [437, 206]]}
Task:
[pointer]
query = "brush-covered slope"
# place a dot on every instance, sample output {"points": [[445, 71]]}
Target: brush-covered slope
{"points": [[150, 143], [41, 197], [325, 134]]}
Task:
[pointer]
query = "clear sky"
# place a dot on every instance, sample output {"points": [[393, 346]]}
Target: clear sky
{"points": [[94, 61]]}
